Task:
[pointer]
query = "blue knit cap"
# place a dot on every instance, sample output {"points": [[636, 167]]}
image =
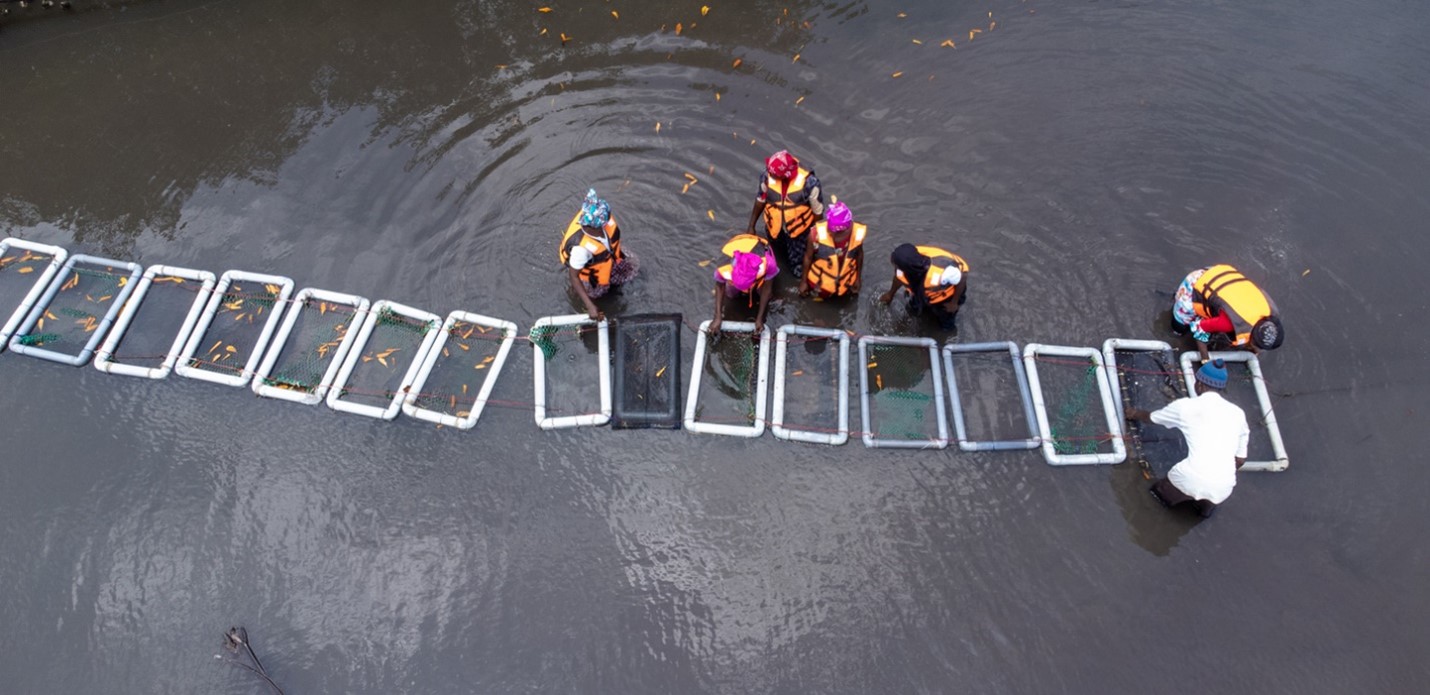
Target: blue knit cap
{"points": [[594, 211], [1213, 374]]}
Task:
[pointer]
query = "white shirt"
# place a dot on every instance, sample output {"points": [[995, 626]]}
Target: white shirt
{"points": [[1216, 434]]}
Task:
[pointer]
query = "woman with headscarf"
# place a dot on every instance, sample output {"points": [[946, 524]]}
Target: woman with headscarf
{"points": [[1222, 305], [790, 202], [750, 271], [591, 251], [834, 258], [937, 281]]}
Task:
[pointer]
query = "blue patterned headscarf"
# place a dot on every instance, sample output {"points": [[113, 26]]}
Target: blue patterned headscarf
{"points": [[594, 211]]}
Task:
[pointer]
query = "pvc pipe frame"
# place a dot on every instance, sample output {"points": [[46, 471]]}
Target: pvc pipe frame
{"points": [[1119, 447], [185, 368], [841, 435], [104, 359], [697, 372], [1258, 382], [280, 340], [335, 394], [38, 311], [1114, 376], [941, 442], [57, 260], [956, 402], [603, 360], [409, 403]]}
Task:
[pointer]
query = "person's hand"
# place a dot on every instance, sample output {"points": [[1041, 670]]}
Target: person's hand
{"points": [[804, 291], [759, 327], [596, 314], [886, 297], [714, 327]]}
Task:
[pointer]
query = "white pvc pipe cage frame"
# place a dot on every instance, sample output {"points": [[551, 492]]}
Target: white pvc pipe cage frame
{"points": [[603, 357], [104, 359], [777, 420], [1114, 375], [1118, 454], [334, 399], [955, 401], [409, 403], [275, 349], [1263, 399], [935, 368], [185, 369], [57, 255], [697, 372], [43, 303]]}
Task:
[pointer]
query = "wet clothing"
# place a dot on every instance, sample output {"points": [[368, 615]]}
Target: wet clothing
{"points": [[622, 272], [1220, 299], [1217, 434]]}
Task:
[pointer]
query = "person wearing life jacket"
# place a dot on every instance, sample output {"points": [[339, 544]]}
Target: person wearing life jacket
{"points": [[591, 251], [790, 201], [1220, 305], [937, 281], [750, 272], [834, 258]]}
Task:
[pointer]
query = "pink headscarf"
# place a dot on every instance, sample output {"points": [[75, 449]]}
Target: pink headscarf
{"points": [[745, 270]]}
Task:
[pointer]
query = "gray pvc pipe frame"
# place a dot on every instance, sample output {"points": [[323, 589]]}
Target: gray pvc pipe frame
{"points": [[964, 443], [941, 442], [81, 357], [57, 260]]}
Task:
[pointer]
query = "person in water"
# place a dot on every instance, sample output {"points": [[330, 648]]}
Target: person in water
{"points": [[790, 202], [751, 271], [1216, 434], [834, 260], [937, 281], [591, 251], [1219, 304]]}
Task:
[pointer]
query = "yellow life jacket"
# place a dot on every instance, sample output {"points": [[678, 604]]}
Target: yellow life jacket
{"points": [[1222, 289], [603, 260], [939, 260], [835, 271], [747, 243], [788, 212]]}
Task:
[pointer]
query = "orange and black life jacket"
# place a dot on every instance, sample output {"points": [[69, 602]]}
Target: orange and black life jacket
{"points": [[835, 270], [603, 259], [787, 209], [939, 260], [1222, 289]]}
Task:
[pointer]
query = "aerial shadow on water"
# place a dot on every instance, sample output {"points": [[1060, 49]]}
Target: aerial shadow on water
{"points": [[1151, 526]]}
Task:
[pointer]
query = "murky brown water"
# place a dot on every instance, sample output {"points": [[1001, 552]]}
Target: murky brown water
{"points": [[1083, 156]]}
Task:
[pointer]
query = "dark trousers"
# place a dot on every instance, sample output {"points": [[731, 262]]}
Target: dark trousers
{"points": [[1170, 496]]}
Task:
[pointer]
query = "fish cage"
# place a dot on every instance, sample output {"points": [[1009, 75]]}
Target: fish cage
{"points": [[468, 346], [236, 326], [811, 393], [901, 393], [1264, 416], [88, 293], [1080, 432], [1019, 384], [372, 381], [151, 331], [738, 359], [561, 371], [647, 372], [303, 359], [26, 268]]}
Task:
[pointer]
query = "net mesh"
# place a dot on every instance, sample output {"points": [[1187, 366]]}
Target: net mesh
{"points": [[232, 335], [569, 355], [1241, 390], [384, 358], [901, 392], [647, 372], [1074, 404], [989, 393], [74, 314], [312, 345], [729, 378], [461, 366], [1149, 380], [19, 271], [812, 383], [156, 322]]}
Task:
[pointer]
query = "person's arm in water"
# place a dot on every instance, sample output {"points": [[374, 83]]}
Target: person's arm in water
{"points": [[767, 288], [857, 258], [1135, 414], [893, 287], [804, 288], [719, 308], [580, 288], [755, 215]]}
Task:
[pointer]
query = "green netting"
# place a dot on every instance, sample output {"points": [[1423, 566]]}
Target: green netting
{"points": [[75, 312], [901, 392], [731, 359], [390, 349], [312, 345], [460, 369], [233, 333], [1074, 402]]}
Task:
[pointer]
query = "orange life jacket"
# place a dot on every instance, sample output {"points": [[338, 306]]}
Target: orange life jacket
{"points": [[939, 260], [747, 243], [788, 212], [1222, 289], [835, 271], [603, 260]]}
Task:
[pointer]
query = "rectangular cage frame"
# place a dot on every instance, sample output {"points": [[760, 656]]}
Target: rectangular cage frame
{"points": [[285, 330], [409, 402], [697, 373], [1033, 440], [1263, 399], [350, 361], [603, 359], [935, 367], [1114, 425], [58, 257], [182, 368], [104, 359], [777, 421], [1114, 376], [43, 303], [620, 417]]}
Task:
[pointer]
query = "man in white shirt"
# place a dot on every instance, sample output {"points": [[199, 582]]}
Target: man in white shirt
{"points": [[1216, 434]]}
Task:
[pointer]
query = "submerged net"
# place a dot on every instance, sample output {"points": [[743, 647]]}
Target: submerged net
{"points": [[462, 365], [569, 355], [729, 378], [1074, 403], [647, 372], [901, 393], [812, 384], [989, 392], [1147, 381], [312, 346], [384, 358], [74, 314], [20, 269], [232, 336], [1241, 390], [155, 324]]}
